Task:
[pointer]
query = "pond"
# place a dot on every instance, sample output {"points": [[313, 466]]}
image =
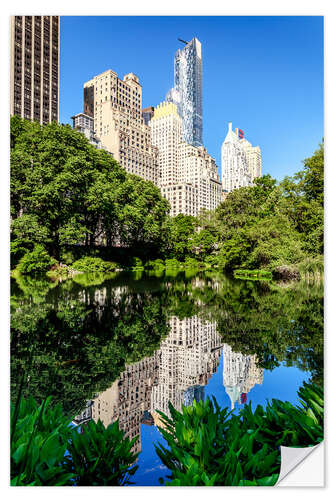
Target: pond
{"points": [[123, 348]]}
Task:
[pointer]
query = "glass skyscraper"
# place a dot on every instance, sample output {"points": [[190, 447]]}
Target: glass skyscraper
{"points": [[187, 91]]}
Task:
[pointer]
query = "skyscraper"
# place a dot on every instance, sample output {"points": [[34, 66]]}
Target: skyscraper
{"points": [[241, 162], [115, 106], [34, 69], [187, 90]]}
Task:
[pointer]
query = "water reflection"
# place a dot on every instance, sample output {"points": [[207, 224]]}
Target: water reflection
{"points": [[123, 349]]}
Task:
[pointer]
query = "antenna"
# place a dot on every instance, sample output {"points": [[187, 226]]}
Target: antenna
{"points": [[183, 41]]}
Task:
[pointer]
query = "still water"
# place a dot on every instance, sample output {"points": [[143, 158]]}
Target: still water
{"points": [[125, 347]]}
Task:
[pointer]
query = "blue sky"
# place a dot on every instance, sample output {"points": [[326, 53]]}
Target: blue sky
{"points": [[265, 74]]}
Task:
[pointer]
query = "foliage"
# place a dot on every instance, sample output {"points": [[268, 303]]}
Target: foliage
{"points": [[211, 446], [39, 437], [47, 451], [182, 231], [36, 262], [66, 192], [252, 274], [172, 263], [94, 265], [99, 456]]}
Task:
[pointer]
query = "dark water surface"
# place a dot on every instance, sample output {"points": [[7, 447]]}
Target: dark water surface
{"points": [[123, 348]]}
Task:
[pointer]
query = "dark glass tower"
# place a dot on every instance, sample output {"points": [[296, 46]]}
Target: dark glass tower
{"points": [[187, 91]]}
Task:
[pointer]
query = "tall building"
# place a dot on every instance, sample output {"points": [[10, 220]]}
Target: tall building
{"points": [[34, 69], [115, 106], [85, 124], [187, 90], [166, 133], [147, 114], [241, 162], [253, 158], [199, 169], [189, 178]]}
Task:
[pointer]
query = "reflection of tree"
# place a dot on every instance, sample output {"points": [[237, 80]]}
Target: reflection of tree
{"points": [[79, 346], [275, 323], [82, 338]]}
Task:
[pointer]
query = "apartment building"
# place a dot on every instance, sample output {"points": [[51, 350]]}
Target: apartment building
{"points": [[85, 124], [241, 162], [115, 106], [199, 169], [253, 158], [166, 133], [189, 178], [34, 68]]}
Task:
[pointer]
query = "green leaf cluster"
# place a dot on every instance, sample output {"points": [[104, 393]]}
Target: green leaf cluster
{"points": [[46, 450], [210, 446]]}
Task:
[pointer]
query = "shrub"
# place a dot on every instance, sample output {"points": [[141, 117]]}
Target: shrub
{"points": [[172, 263], [47, 451], [101, 456], [39, 437], [94, 265], [36, 262], [192, 263], [136, 263], [212, 446], [155, 264]]}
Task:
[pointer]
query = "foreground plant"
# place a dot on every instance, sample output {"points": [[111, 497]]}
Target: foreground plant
{"points": [[211, 446], [46, 450]]}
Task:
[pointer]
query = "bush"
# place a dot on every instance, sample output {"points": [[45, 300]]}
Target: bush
{"points": [[192, 263], [39, 436], [101, 456], [212, 446], [155, 264], [172, 263], [36, 262], [94, 265], [47, 451]]}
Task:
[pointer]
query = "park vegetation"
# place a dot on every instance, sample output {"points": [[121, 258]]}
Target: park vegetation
{"points": [[208, 446], [72, 204]]}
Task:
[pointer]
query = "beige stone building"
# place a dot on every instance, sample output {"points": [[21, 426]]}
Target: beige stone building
{"points": [[253, 158], [34, 67], [189, 178], [115, 106]]}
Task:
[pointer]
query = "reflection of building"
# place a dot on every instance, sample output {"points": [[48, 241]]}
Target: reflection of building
{"points": [[128, 399], [115, 106], [178, 372], [189, 357], [187, 91], [34, 68], [240, 374]]}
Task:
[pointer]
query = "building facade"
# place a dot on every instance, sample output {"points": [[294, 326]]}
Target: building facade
{"points": [[115, 106], [253, 158], [147, 114], [85, 124], [189, 178], [34, 68], [199, 169], [241, 162], [166, 133], [187, 90]]}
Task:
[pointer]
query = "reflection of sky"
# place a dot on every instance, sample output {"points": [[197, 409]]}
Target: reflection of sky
{"points": [[281, 383]]}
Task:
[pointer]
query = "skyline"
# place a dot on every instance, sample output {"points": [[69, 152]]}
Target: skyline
{"points": [[270, 88]]}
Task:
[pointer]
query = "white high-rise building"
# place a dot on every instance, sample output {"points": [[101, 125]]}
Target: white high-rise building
{"points": [[241, 162], [253, 158], [189, 178], [166, 134]]}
